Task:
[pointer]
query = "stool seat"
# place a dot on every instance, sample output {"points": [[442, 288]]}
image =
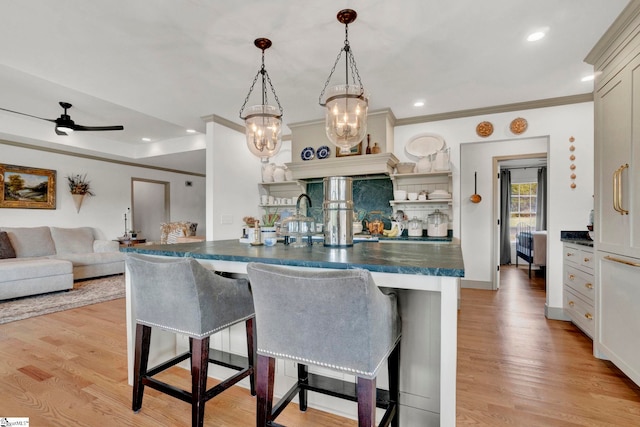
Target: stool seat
{"points": [[181, 296], [336, 319]]}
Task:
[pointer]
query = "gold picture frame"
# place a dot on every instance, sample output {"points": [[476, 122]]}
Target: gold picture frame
{"points": [[355, 151], [27, 188]]}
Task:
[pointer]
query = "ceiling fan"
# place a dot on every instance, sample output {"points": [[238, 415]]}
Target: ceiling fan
{"points": [[64, 124]]}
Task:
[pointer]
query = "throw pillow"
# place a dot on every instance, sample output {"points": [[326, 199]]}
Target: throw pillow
{"points": [[73, 240], [6, 250]]}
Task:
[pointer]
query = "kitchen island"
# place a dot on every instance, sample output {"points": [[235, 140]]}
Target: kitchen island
{"points": [[427, 280]]}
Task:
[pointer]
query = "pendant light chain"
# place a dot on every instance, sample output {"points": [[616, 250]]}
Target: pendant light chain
{"points": [[350, 63], [265, 73]]}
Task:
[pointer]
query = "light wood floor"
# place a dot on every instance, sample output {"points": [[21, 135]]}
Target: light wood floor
{"points": [[515, 368]]}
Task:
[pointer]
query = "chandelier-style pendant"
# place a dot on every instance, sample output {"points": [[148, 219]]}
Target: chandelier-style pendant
{"points": [[346, 104], [263, 123]]}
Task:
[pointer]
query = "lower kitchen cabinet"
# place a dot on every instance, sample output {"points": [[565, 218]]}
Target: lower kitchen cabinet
{"points": [[579, 286]]}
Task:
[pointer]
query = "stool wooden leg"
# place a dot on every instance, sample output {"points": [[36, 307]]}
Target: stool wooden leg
{"points": [[265, 373], [366, 402], [141, 359], [199, 369], [303, 377], [393, 365], [251, 353]]}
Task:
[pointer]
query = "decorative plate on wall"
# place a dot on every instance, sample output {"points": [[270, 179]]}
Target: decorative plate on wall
{"points": [[518, 125], [323, 152], [424, 144], [484, 129], [308, 153]]}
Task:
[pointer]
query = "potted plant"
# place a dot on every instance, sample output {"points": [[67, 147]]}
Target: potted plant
{"points": [[268, 226], [79, 188]]}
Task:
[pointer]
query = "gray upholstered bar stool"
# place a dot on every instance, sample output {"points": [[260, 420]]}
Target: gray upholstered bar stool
{"points": [[337, 319], [182, 296]]}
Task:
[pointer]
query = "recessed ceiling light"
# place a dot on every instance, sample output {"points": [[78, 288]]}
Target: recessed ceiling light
{"points": [[146, 139], [533, 37], [588, 78], [418, 104], [191, 131]]}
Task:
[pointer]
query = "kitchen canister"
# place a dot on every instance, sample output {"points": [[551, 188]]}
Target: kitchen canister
{"points": [[338, 211]]}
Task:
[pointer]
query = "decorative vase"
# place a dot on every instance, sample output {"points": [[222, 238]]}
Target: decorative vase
{"points": [[268, 232], [77, 200]]}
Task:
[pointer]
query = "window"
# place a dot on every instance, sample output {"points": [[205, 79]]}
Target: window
{"points": [[523, 205]]}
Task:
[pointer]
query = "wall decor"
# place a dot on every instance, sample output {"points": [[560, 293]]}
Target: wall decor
{"points": [[518, 125], [355, 151], [27, 188], [484, 129], [572, 167]]}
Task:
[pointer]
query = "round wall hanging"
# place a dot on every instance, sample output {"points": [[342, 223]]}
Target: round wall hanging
{"points": [[484, 129], [518, 125]]}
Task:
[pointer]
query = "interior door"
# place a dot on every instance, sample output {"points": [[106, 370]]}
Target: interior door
{"points": [[150, 207]]}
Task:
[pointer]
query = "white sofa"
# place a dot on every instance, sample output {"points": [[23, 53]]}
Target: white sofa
{"points": [[50, 258]]}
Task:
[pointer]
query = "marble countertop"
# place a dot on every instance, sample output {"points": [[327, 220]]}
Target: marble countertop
{"points": [[400, 258]]}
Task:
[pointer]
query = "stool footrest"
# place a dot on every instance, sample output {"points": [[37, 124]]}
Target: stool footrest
{"points": [[217, 357], [335, 388]]}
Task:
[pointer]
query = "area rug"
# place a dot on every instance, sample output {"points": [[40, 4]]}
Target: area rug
{"points": [[84, 292]]}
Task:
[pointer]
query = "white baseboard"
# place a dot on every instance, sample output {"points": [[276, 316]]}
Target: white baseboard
{"points": [[476, 284], [555, 313]]}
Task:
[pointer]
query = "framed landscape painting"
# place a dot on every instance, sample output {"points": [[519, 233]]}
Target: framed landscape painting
{"points": [[27, 188]]}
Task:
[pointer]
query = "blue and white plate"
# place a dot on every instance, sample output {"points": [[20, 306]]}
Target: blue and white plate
{"points": [[308, 153], [323, 152]]}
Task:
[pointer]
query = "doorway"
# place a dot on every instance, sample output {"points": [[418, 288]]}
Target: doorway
{"points": [[150, 207], [520, 207]]}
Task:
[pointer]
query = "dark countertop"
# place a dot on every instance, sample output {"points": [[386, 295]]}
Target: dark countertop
{"points": [[404, 258], [576, 237]]}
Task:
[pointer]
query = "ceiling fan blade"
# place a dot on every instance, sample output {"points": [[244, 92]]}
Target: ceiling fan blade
{"points": [[28, 115], [80, 127]]}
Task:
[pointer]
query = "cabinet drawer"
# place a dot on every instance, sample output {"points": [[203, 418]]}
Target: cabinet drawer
{"points": [[579, 256], [581, 282], [581, 312]]}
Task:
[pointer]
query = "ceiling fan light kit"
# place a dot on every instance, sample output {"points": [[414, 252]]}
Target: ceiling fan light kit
{"points": [[64, 124]]}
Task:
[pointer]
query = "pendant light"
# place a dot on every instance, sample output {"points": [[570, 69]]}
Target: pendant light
{"points": [[263, 123], [346, 104]]}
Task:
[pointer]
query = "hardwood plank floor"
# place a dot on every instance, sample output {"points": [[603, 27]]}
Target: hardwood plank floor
{"points": [[515, 368]]}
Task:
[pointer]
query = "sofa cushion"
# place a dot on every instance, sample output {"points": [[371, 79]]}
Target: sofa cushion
{"points": [[72, 240], [17, 269], [31, 241], [6, 250]]}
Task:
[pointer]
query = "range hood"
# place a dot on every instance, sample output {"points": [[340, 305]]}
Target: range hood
{"points": [[366, 164]]}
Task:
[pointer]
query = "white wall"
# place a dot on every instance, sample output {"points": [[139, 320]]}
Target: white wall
{"points": [[567, 208], [111, 182]]}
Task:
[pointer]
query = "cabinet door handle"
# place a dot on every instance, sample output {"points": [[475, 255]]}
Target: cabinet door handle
{"points": [[587, 260], [570, 254], [622, 168], [588, 316], [615, 191], [588, 285], [621, 261], [571, 303], [572, 277]]}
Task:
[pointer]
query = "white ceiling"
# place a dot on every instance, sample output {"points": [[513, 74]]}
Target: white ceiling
{"points": [[158, 66]]}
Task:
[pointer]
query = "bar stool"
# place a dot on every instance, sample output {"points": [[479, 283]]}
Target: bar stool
{"points": [[181, 296], [337, 319]]}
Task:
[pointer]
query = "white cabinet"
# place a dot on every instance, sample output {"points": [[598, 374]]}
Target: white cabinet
{"points": [[616, 60], [579, 286]]}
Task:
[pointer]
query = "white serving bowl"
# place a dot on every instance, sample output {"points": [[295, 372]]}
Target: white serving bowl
{"points": [[412, 196], [405, 167], [400, 195]]}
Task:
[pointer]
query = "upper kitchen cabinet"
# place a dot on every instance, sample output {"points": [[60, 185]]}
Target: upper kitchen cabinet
{"points": [[313, 156], [616, 60]]}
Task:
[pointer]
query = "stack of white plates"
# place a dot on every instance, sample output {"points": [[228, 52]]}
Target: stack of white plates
{"points": [[439, 194]]}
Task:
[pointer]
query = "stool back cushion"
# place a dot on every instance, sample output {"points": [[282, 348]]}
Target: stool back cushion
{"points": [[182, 296], [335, 318]]}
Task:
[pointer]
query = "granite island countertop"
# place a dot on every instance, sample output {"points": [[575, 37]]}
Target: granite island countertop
{"points": [[576, 237], [405, 258]]}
